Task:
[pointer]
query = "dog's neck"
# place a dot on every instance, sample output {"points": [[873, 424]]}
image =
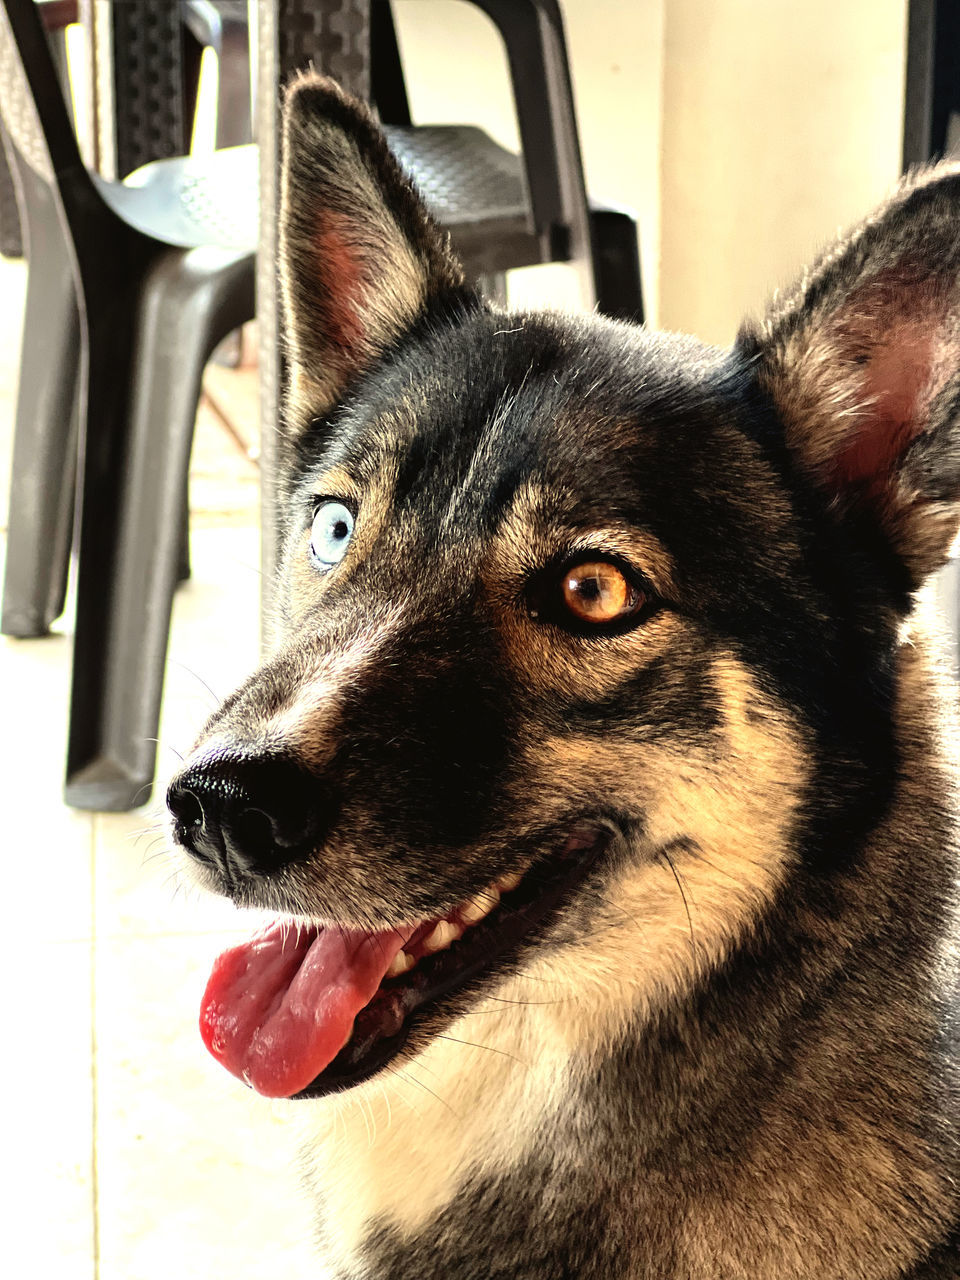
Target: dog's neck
{"points": [[399, 1148]]}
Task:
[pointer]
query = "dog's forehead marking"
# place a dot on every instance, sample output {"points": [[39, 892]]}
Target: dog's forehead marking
{"points": [[503, 483], [302, 717], [307, 723], [543, 518], [460, 434]]}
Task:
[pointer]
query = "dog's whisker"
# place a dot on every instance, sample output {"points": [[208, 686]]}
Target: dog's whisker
{"points": [[200, 680], [386, 1103], [665, 855], [694, 850], [147, 786], [400, 1080], [366, 1109], [408, 1075], [166, 746], [156, 849], [177, 885], [147, 830], [358, 1104], [489, 1048], [504, 1000]]}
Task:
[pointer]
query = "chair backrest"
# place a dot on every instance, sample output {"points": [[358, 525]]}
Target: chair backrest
{"points": [[533, 36], [532, 32], [31, 102]]}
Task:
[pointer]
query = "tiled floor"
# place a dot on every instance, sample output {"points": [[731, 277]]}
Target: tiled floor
{"points": [[136, 1157]]}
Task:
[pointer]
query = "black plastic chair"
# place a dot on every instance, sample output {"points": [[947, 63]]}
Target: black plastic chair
{"points": [[221, 25], [163, 268], [504, 210], [931, 117], [11, 241], [56, 16]]}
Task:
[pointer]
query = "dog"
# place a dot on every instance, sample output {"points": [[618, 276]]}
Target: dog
{"points": [[603, 779]]}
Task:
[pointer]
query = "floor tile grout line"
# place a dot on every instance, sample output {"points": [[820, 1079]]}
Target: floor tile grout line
{"points": [[94, 1107]]}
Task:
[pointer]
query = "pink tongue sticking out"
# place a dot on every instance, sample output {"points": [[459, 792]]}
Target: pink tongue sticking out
{"points": [[278, 1008]]}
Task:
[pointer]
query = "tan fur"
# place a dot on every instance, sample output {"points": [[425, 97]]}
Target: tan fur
{"points": [[801, 1175], [374, 499], [528, 536], [722, 813], [398, 1147], [535, 524]]}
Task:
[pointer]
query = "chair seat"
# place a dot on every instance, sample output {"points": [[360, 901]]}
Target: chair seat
{"points": [[476, 190], [472, 186], [463, 174], [189, 201]]}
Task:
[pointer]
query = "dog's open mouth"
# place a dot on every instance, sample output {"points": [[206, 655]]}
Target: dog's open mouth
{"points": [[304, 1010]]}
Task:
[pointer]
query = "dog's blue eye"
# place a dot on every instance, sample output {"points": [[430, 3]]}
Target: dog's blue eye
{"points": [[330, 535]]}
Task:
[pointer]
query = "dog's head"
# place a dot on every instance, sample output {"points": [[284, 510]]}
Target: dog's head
{"points": [[588, 633]]}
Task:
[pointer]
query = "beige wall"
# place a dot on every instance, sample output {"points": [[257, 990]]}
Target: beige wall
{"points": [[743, 132], [781, 122]]}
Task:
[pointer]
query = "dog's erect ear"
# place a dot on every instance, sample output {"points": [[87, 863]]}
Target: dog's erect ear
{"points": [[862, 360], [361, 258]]}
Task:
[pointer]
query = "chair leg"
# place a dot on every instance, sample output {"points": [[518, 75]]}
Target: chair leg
{"points": [[188, 303], [44, 451], [234, 127], [617, 258], [109, 344], [183, 560], [11, 240], [234, 115]]}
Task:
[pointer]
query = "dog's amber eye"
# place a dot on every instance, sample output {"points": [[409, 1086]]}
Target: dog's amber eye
{"points": [[600, 592]]}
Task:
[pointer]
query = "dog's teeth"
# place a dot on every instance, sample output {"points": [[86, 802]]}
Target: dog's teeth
{"points": [[506, 883], [401, 963], [474, 909], [442, 935]]}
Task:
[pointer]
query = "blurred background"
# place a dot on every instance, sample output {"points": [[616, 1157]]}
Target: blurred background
{"points": [[738, 135]]}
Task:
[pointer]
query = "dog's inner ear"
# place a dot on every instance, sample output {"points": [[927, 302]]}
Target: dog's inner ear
{"points": [[863, 363], [361, 259]]}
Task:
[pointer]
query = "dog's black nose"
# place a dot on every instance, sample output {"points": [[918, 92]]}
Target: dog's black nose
{"points": [[248, 815]]}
